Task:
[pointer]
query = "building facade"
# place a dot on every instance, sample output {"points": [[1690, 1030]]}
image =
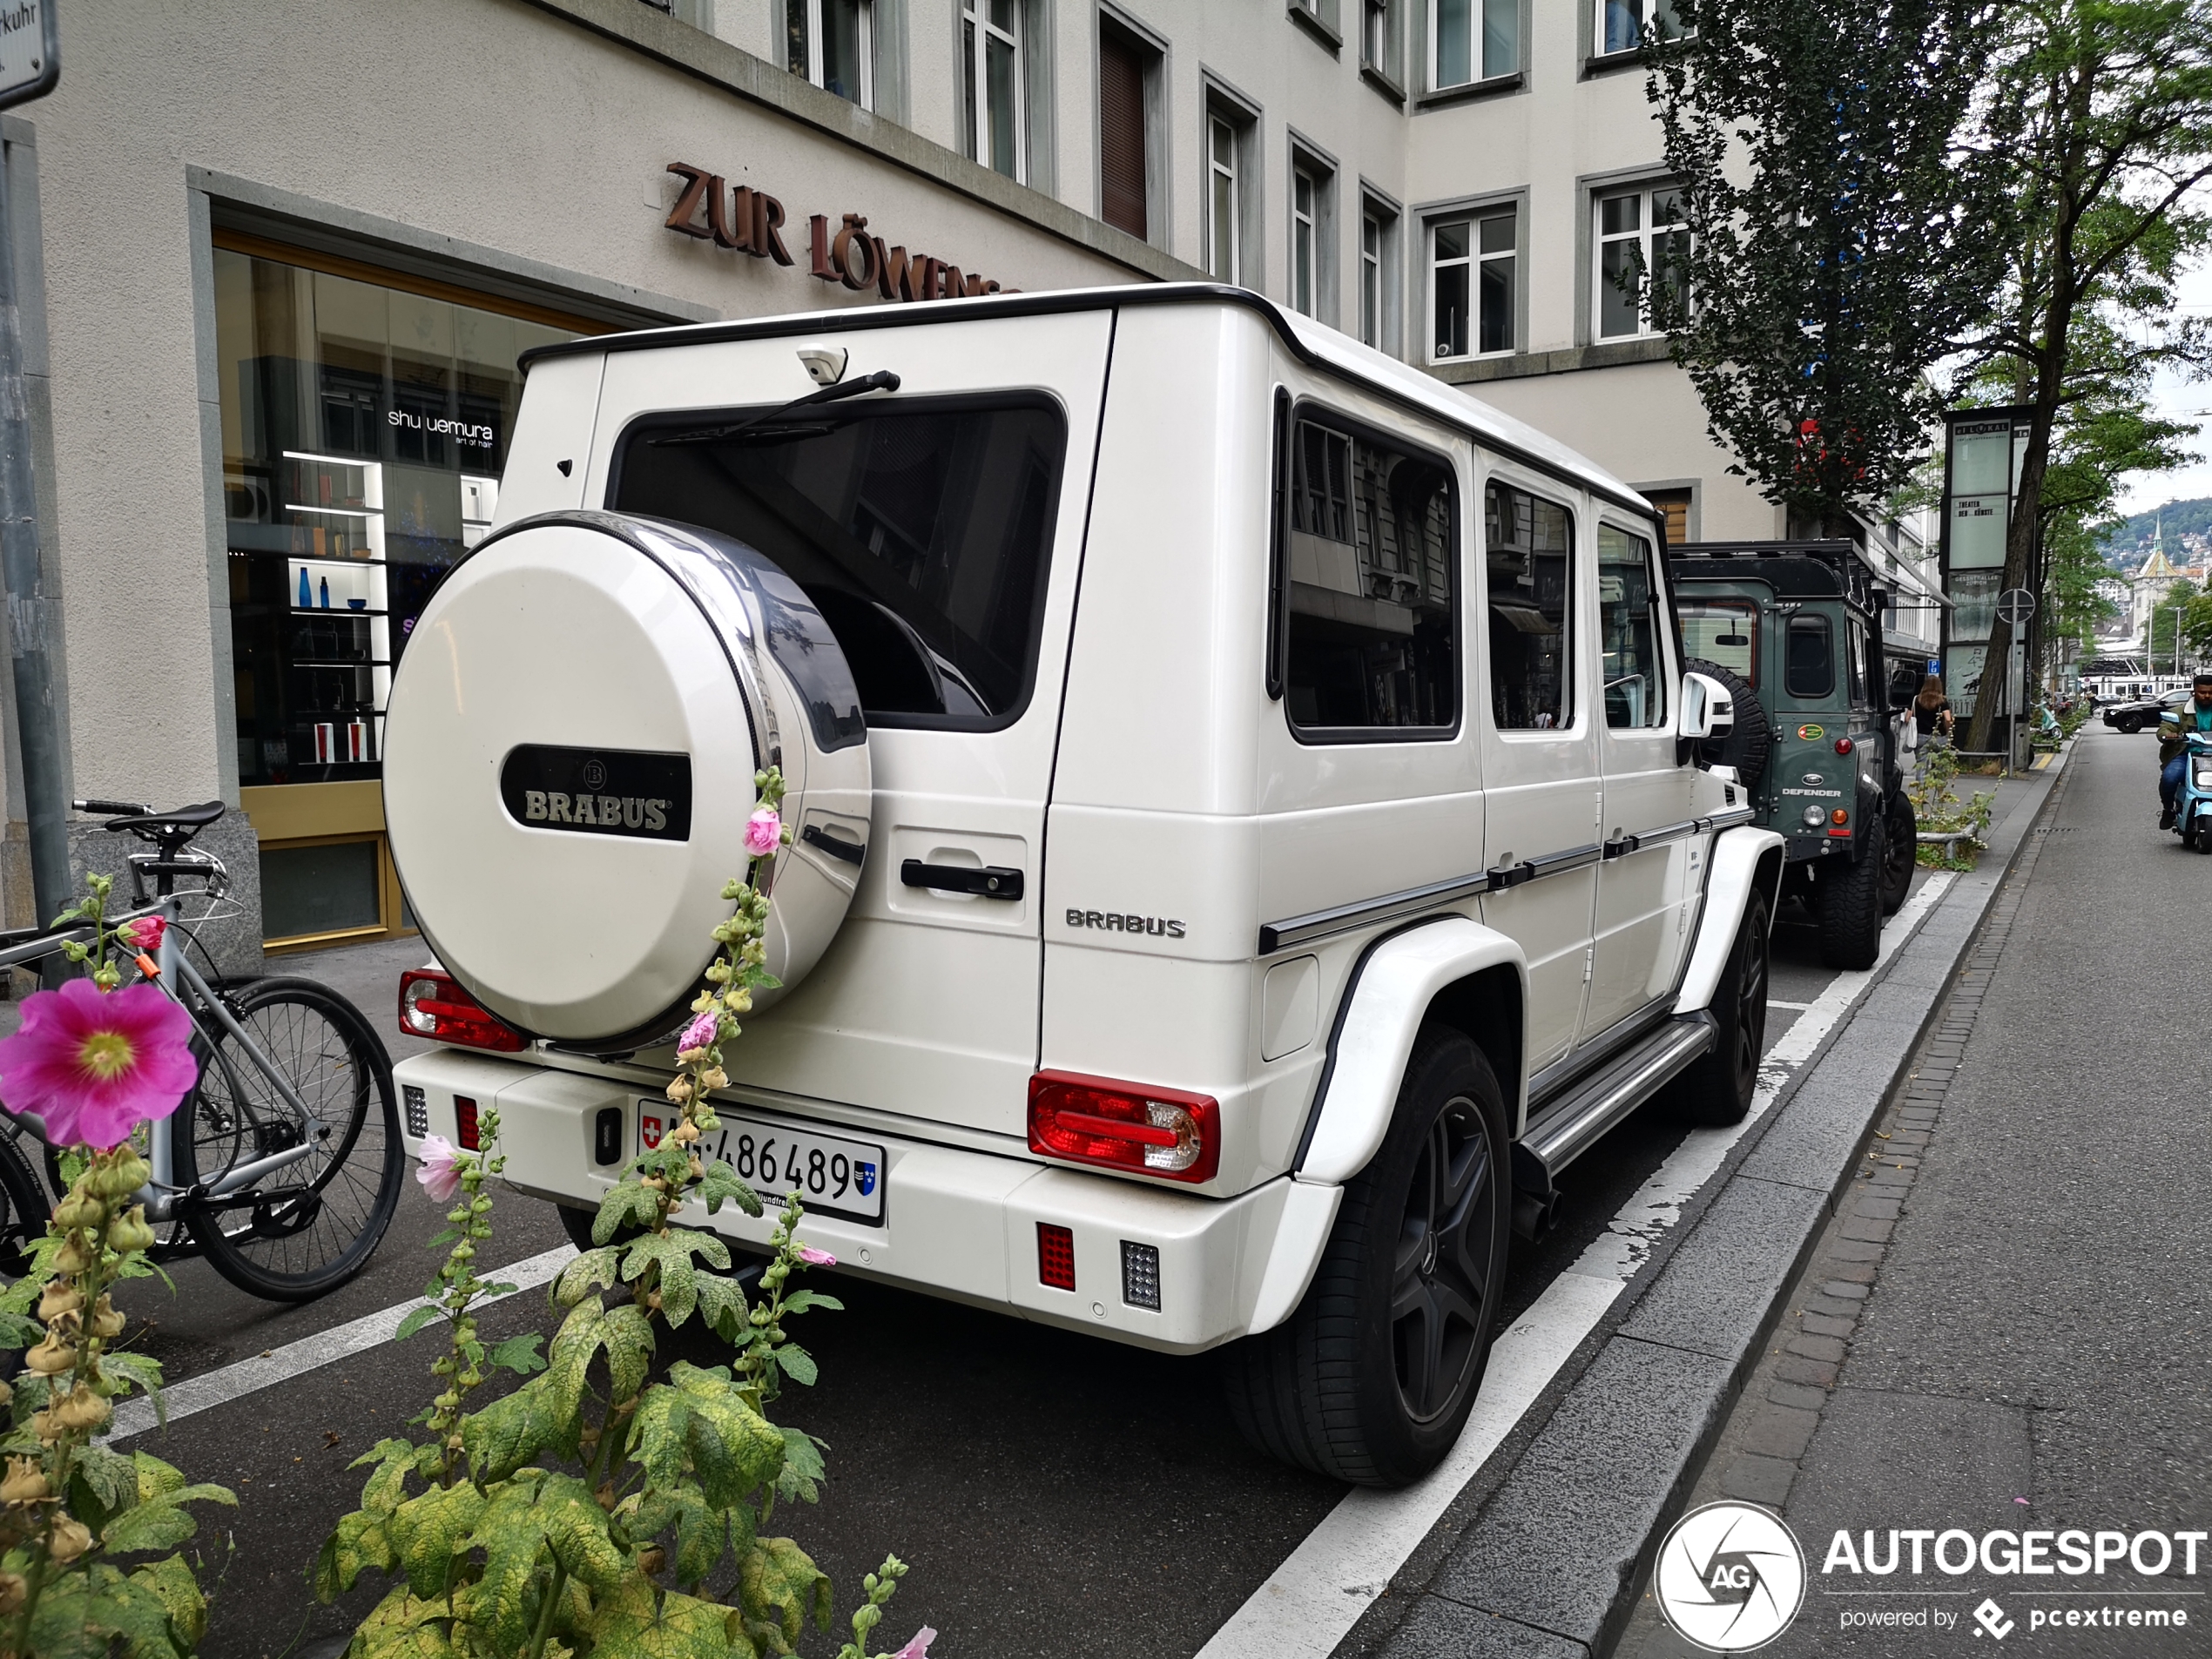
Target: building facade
{"points": [[277, 267]]}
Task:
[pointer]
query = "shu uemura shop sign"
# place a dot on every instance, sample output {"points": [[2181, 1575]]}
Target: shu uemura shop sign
{"points": [[752, 222]]}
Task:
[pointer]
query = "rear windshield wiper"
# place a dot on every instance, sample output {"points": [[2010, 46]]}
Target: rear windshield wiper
{"points": [[882, 381]]}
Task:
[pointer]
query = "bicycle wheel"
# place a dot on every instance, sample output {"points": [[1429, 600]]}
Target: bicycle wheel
{"points": [[25, 1208], [310, 1226]]}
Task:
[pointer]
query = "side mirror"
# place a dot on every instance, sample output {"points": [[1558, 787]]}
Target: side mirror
{"points": [[1708, 710]]}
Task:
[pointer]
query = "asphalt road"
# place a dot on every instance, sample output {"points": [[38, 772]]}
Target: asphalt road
{"points": [[1055, 1496]]}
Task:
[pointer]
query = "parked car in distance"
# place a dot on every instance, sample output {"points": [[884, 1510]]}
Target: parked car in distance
{"points": [[2143, 713], [1248, 835]]}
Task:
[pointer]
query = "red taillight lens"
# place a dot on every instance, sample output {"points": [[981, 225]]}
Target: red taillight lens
{"points": [[1056, 1255], [1125, 1126], [1843, 745], [435, 1006], [464, 1120]]}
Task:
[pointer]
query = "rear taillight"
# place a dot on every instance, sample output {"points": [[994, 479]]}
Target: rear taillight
{"points": [[1124, 1126], [1056, 1255], [435, 1006]]}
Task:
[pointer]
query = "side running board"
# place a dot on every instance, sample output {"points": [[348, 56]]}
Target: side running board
{"points": [[1593, 1104]]}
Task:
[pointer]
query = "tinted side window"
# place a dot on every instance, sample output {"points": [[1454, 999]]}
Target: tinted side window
{"points": [[1370, 630], [1528, 544], [1808, 657], [1724, 631], [922, 534], [1629, 627]]}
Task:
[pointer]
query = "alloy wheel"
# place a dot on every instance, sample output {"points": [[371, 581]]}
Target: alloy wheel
{"points": [[1441, 1269]]}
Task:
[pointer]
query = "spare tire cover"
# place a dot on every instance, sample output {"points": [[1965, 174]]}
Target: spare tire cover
{"points": [[570, 752]]}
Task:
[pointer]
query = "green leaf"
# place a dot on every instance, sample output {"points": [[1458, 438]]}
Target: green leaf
{"points": [[627, 1204], [638, 1621], [721, 1185], [520, 1355], [733, 1448], [403, 1627], [141, 1370], [514, 1540], [799, 1301], [149, 1526], [659, 1442], [678, 1280], [451, 1236], [170, 1581], [581, 1336], [722, 1306], [803, 1472], [110, 1482], [416, 1321], [798, 1364], [19, 1330], [429, 1531], [593, 1270], [701, 1536], [512, 1431], [629, 1349], [385, 1489], [575, 1527], [156, 1479], [779, 1585], [359, 1541]]}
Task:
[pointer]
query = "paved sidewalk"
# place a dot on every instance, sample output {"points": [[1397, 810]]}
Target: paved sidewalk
{"points": [[2008, 1324]]}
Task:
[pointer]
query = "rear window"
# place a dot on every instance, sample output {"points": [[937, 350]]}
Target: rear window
{"points": [[1809, 668], [1724, 631], [922, 531]]}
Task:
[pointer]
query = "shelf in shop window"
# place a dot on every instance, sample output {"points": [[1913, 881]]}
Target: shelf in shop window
{"points": [[324, 662], [332, 610]]}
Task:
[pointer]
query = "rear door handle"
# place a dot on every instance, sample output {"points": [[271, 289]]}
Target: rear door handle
{"points": [[991, 881], [836, 846]]}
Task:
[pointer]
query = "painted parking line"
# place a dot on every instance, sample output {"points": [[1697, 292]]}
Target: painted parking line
{"points": [[220, 1386], [1310, 1602]]}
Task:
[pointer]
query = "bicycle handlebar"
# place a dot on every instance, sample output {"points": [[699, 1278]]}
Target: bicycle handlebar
{"points": [[114, 808]]}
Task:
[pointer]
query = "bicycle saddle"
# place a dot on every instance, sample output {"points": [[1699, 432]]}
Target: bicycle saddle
{"points": [[181, 822]]}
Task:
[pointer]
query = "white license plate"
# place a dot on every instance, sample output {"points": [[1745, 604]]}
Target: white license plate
{"points": [[833, 1176]]}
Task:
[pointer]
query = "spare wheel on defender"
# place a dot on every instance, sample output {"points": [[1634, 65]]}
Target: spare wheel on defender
{"points": [[569, 754]]}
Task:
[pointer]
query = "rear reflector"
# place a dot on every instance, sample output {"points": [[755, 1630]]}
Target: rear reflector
{"points": [[418, 1111], [437, 1005], [1056, 1255], [1124, 1126], [1141, 1275], [464, 1121]]}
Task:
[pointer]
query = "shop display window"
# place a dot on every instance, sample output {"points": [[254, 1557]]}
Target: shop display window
{"points": [[364, 431]]}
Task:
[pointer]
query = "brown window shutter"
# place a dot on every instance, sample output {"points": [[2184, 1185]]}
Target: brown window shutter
{"points": [[1121, 134], [1674, 506]]}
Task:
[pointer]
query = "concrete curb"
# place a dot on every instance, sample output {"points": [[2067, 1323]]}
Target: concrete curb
{"points": [[1553, 1560]]}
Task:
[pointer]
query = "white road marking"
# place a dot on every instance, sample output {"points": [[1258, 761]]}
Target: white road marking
{"points": [[341, 1342], [1310, 1601], [1793, 1007]]}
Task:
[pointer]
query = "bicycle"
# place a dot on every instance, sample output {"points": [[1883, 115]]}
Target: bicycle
{"points": [[283, 1165]]}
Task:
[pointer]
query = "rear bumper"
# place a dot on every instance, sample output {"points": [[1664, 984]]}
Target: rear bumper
{"points": [[957, 1223]]}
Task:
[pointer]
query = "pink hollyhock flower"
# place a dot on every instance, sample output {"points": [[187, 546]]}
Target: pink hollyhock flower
{"points": [[441, 1171], [763, 832], [698, 1035], [814, 1258], [96, 1065], [919, 1646], [144, 934]]}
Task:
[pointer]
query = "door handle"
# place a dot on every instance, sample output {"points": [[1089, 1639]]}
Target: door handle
{"points": [[990, 882], [836, 846]]}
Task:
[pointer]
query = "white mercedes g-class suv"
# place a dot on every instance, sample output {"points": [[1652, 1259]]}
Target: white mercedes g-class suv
{"points": [[1249, 832]]}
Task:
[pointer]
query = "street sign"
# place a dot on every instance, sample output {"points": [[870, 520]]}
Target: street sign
{"points": [[2015, 605], [31, 50]]}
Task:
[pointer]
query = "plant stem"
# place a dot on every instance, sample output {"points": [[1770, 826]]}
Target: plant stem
{"points": [[545, 1614]]}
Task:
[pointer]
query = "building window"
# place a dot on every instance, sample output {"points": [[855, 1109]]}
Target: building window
{"points": [[1378, 276], [1641, 235], [994, 84], [1223, 201], [1475, 40], [1368, 614], [1305, 204], [832, 43], [1621, 23], [1374, 35], [1127, 72], [1472, 282]]}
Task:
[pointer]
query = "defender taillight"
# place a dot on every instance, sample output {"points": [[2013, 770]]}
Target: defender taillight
{"points": [[436, 1006], [1165, 1132]]}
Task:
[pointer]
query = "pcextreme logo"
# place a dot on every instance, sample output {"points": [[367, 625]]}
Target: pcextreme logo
{"points": [[1730, 1577]]}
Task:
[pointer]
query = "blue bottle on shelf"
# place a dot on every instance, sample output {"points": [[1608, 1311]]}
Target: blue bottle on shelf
{"points": [[325, 593], [305, 600]]}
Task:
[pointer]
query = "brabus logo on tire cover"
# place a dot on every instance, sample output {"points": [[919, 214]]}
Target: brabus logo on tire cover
{"points": [[632, 792]]}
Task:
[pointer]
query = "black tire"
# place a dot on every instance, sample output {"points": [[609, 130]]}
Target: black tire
{"points": [[1371, 1379], [25, 1206], [1750, 741], [314, 1225], [1847, 898], [1717, 1088], [1900, 851]]}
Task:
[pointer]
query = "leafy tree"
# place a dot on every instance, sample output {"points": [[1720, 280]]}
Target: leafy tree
{"points": [[1845, 235], [2103, 111]]}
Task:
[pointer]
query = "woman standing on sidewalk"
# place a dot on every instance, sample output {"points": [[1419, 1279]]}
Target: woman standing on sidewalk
{"points": [[1932, 721]]}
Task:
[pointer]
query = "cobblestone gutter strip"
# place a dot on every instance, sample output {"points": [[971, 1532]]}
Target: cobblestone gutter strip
{"points": [[1555, 1540]]}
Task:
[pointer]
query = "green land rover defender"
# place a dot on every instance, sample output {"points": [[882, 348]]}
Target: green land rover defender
{"points": [[1794, 629]]}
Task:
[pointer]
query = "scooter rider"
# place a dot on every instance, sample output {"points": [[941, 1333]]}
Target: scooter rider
{"points": [[2175, 726]]}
